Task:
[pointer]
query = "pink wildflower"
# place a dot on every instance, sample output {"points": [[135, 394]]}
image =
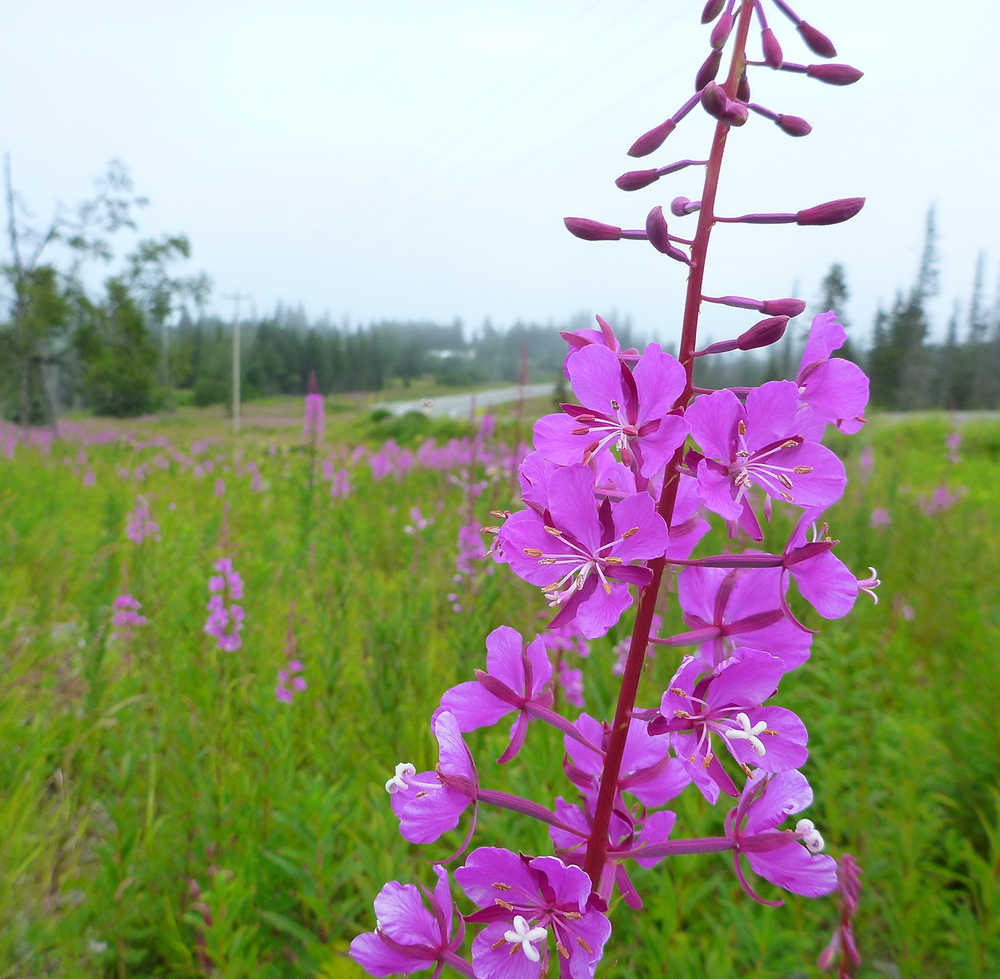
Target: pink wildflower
{"points": [[140, 525], [288, 681], [954, 440], [225, 622], [125, 618]]}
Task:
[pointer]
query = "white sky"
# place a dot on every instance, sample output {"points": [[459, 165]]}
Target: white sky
{"points": [[403, 159]]}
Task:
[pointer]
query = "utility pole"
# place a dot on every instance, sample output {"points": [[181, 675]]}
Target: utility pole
{"points": [[236, 297]]}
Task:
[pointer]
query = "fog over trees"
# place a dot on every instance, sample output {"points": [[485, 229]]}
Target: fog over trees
{"points": [[142, 340]]}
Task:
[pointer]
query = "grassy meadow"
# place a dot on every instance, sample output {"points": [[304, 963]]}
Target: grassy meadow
{"points": [[164, 813]]}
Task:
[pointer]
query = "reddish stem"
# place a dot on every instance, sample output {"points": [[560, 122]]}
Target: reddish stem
{"points": [[598, 843]]}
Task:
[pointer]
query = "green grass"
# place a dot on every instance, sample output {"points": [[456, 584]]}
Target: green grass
{"points": [[162, 814]]}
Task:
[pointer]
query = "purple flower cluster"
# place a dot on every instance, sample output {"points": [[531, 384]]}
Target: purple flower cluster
{"points": [[618, 493], [312, 426], [290, 679], [125, 618], [140, 525], [224, 621]]}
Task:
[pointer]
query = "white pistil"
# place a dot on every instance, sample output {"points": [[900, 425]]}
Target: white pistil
{"points": [[398, 783], [522, 934], [807, 832], [869, 584], [748, 733]]}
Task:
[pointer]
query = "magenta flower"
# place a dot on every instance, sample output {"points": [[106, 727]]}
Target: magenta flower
{"points": [[832, 390], [288, 682], [615, 482], [125, 618], [420, 522], [866, 462], [630, 833], [313, 423], [727, 704], [521, 900], [516, 679], [739, 608], [141, 525], [760, 445], [880, 517], [579, 552], [823, 579], [647, 771], [788, 859], [579, 339], [429, 804], [571, 680], [941, 499], [408, 937], [225, 622], [628, 410], [954, 442]]}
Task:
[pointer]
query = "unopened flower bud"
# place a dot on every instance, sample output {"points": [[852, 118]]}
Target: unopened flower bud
{"points": [[736, 113], [721, 31], [637, 179], [592, 230], [681, 206], [793, 125], [834, 74], [772, 49], [656, 228], [708, 70], [743, 88], [652, 140], [714, 100], [712, 10], [763, 333], [816, 40], [833, 212], [782, 307]]}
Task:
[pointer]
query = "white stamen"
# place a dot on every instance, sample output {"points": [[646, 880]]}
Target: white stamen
{"points": [[521, 934], [397, 783], [748, 733]]}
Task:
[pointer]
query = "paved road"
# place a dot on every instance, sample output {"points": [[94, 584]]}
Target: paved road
{"points": [[461, 405]]}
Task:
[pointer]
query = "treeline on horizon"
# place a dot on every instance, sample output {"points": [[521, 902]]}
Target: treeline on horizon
{"points": [[138, 347]]}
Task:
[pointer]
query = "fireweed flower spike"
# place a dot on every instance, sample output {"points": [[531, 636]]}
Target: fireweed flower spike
{"points": [[312, 426], [616, 490], [225, 622]]}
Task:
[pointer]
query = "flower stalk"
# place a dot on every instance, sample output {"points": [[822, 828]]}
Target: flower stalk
{"points": [[597, 846]]}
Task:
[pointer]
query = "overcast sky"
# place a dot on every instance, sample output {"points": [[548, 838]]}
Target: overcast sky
{"points": [[415, 160]]}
